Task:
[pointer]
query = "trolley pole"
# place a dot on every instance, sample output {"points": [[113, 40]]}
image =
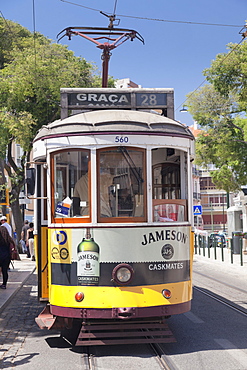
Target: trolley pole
{"points": [[113, 37], [105, 65]]}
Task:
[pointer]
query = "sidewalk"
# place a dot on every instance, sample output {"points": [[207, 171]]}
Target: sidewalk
{"points": [[17, 277], [224, 266]]}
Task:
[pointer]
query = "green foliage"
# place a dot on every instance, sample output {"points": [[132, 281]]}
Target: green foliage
{"points": [[32, 71], [208, 106], [15, 126], [225, 147], [11, 35], [31, 81], [228, 73], [97, 82], [220, 109], [224, 179], [4, 134]]}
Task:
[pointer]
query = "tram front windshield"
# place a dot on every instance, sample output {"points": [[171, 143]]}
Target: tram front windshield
{"points": [[116, 188], [119, 185]]}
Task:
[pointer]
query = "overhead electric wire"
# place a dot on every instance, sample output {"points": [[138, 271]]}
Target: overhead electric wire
{"points": [[82, 6], [149, 19], [185, 22], [34, 47], [193, 92], [5, 21], [156, 19], [168, 21], [11, 30]]}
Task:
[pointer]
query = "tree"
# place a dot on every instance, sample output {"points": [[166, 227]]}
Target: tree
{"points": [[228, 74], [220, 109], [13, 36], [33, 71]]}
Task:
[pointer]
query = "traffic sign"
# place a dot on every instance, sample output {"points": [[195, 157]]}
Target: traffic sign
{"points": [[197, 210]]}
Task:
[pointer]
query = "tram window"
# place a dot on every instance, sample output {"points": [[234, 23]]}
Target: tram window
{"points": [[70, 184], [166, 183], [121, 183]]}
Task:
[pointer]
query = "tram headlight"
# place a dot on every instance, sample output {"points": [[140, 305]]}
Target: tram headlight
{"points": [[122, 274], [79, 296], [166, 293]]}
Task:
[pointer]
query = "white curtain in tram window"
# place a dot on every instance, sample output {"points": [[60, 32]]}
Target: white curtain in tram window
{"points": [[168, 212]]}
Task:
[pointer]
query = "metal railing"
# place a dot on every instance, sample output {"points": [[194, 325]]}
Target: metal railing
{"points": [[214, 247]]}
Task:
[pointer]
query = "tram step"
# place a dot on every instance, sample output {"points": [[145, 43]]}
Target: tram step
{"points": [[101, 333]]}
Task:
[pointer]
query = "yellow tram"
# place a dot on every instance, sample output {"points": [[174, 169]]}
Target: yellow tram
{"points": [[113, 212]]}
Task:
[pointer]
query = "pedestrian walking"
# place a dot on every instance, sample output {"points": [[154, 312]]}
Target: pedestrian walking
{"points": [[24, 229], [30, 241], [5, 254], [4, 223]]}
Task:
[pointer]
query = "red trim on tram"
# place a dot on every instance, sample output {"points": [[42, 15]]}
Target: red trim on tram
{"points": [[120, 312]]}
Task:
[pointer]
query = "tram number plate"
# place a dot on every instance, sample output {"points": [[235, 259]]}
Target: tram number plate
{"points": [[151, 99], [121, 139]]}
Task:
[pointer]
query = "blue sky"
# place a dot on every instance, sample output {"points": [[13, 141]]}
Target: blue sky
{"points": [[174, 54]]}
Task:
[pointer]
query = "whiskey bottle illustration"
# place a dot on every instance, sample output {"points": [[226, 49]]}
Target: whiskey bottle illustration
{"points": [[88, 261]]}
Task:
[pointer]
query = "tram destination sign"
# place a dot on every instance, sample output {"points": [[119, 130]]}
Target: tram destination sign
{"points": [[104, 98], [99, 99]]}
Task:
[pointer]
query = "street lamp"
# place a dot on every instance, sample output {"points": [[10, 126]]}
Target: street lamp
{"points": [[184, 109]]}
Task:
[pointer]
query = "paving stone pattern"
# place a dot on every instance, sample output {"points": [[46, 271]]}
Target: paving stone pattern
{"points": [[17, 322]]}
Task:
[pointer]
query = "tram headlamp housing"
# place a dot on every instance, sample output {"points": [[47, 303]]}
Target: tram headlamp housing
{"points": [[122, 274]]}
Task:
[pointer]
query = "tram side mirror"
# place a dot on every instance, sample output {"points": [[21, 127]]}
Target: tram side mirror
{"points": [[30, 181]]}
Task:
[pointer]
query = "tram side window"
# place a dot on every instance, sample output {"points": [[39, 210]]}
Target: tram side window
{"points": [[166, 182], [71, 197], [121, 183]]}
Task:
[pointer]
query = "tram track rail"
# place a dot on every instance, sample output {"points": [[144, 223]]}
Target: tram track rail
{"points": [[88, 359], [161, 357], [224, 301], [89, 353], [221, 299]]}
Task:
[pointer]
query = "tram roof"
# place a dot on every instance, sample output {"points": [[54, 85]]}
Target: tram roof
{"points": [[99, 121]]}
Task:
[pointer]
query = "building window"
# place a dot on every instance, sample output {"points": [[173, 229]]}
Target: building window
{"points": [[206, 183]]}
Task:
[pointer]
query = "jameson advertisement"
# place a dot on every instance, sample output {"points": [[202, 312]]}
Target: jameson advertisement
{"points": [[87, 256], [88, 261]]}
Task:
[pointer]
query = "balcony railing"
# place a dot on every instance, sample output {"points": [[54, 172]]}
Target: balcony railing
{"points": [[214, 205]]}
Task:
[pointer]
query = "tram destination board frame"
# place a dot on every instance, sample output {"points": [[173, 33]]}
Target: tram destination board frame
{"points": [[84, 99]]}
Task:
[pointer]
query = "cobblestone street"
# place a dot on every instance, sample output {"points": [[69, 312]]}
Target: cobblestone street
{"points": [[17, 322]]}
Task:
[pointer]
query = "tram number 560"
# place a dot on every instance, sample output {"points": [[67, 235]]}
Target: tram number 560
{"points": [[121, 139]]}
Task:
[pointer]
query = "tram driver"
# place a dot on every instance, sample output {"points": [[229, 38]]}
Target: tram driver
{"points": [[80, 196]]}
